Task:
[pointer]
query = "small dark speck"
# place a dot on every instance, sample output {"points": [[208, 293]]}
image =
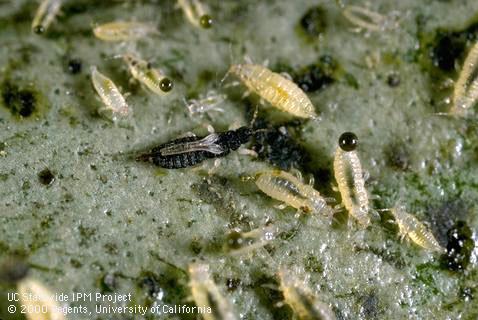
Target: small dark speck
{"points": [[74, 66], [46, 177], [232, 284], [393, 80]]}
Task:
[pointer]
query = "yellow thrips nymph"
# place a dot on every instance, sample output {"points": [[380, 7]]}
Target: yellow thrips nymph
{"points": [[195, 13], [207, 295], [465, 94], [43, 307], [411, 227], [152, 78], [364, 18], [123, 31], [289, 189], [302, 300], [349, 176], [274, 88], [244, 242], [109, 93], [45, 14]]}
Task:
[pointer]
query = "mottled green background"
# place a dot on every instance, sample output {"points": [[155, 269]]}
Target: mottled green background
{"points": [[109, 224]]}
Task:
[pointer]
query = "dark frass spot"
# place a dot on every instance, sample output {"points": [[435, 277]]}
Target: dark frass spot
{"points": [[150, 283], [449, 47], [277, 146], [318, 75], [393, 80], [20, 102], [348, 141], [166, 85], [195, 246], [206, 21], [313, 22], [232, 284], [459, 247], [397, 156], [74, 66], [46, 177]]}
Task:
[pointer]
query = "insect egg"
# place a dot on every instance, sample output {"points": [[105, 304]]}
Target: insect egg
{"points": [[348, 141]]}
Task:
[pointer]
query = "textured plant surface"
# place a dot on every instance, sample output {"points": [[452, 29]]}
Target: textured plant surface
{"points": [[88, 218]]}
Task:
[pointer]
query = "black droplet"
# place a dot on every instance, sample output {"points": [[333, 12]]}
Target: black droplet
{"points": [[39, 29], [74, 66], [46, 177], [348, 141], [393, 80], [234, 240], [166, 85], [206, 21]]}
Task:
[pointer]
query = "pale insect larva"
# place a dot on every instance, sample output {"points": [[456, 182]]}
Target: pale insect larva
{"points": [[152, 78], [364, 18], [350, 181], [43, 306], [206, 294], [465, 94], [289, 189], [208, 144], [123, 31], [409, 226], [196, 13], [276, 89], [205, 103], [109, 93], [302, 300], [45, 15], [243, 242]]}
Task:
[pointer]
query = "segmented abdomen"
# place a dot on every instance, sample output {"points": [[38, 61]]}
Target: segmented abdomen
{"points": [[279, 91], [349, 176], [281, 189]]}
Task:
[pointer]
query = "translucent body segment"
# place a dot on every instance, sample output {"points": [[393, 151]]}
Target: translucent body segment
{"points": [[45, 15], [109, 93], [45, 302], [204, 104], [364, 18], [351, 184], [245, 242], [285, 187], [465, 94], [301, 299], [123, 31], [207, 295], [194, 11], [144, 73], [206, 144], [277, 90], [411, 227]]}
